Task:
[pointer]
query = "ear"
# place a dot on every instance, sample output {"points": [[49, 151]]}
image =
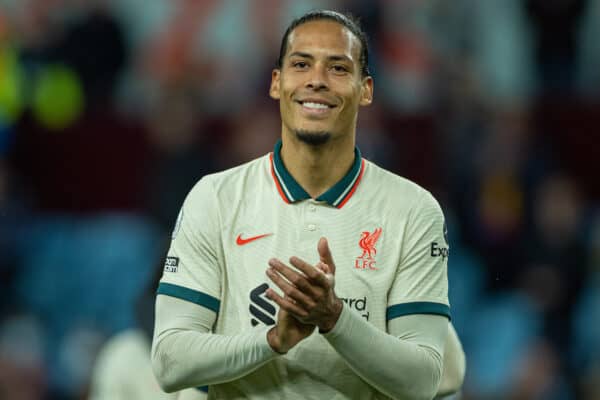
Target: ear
{"points": [[366, 97], [275, 79]]}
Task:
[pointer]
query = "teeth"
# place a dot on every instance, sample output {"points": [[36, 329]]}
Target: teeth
{"points": [[315, 105]]}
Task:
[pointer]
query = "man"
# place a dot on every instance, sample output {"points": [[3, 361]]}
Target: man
{"points": [[309, 272]]}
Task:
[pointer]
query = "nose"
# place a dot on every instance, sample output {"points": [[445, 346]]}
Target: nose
{"points": [[317, 79]]}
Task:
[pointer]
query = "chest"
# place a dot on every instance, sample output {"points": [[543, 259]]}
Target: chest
{"points": [[365, 246]]}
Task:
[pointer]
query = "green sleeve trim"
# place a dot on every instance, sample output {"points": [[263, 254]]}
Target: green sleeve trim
{"points": [[418, 307], [183, 293]]}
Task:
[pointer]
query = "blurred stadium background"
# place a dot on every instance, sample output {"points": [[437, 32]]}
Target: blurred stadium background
{"points": [[110, 110]]}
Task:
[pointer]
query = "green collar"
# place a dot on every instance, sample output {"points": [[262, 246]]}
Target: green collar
{"points": [[336, 196]]}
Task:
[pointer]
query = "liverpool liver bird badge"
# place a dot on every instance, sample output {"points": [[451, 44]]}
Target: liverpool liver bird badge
{"points": [[367, 243]]}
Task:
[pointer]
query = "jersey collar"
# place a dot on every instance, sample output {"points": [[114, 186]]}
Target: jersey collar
{"points": [[291, 191]]}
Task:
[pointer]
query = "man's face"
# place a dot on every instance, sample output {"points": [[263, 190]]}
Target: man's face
{"points": [[319, 86]]}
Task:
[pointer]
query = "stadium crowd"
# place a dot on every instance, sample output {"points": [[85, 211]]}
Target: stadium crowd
{"points": [[110, 110]]}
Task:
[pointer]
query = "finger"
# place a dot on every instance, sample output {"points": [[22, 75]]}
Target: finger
{"points": [[286, 304], [315, 275], [327, 271], [325, 254], [322, 267], [297, 279], [290, 290]]}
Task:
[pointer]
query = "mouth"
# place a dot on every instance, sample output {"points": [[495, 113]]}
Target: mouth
{"points": [[315, 107]]}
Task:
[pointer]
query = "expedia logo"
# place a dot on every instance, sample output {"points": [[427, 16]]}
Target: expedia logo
{"points": [[439, 251], [359, 304], [261, 308]]}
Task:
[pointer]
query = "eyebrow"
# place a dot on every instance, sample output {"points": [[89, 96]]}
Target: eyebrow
{"points": [[334, 57]]}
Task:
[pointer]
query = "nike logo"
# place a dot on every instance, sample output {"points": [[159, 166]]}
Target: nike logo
{"points": [[242, 241]]}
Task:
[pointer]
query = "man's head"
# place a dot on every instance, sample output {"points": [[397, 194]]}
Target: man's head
{"points": [[322, 77], [346, 20]]}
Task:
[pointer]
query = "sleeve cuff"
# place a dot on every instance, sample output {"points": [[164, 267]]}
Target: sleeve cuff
{"points": [[194, 296], [417, 307]]}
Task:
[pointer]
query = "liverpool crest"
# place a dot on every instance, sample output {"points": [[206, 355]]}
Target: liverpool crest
{"points": [[367, 243]]}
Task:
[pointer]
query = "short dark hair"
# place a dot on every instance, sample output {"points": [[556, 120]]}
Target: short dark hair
{"points": [[345, 19]]}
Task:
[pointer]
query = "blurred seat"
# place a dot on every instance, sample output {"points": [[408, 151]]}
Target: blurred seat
{"points": [[83, 275], [465, 285], [586, 328], [501, 330]]}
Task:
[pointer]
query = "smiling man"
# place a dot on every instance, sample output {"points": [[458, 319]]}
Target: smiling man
{"points": [[308, 273]]}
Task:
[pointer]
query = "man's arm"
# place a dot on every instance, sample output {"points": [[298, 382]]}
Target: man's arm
{"points": [[454, 365], [407, 329], [404, 364], [186, 354], [189, 300], [185, 351]]}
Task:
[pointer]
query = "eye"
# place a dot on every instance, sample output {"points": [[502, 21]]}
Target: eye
{"points": [[339, 68], [299, 64]]}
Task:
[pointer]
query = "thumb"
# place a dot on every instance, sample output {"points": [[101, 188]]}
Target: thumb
{"points": [[325, 254]]}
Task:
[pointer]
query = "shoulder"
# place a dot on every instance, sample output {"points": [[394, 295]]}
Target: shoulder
{"points": [[227, 181], [397, 191], [228, 186]]}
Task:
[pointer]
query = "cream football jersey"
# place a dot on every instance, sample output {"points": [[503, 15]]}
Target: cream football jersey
{"points": [[387, 236]]}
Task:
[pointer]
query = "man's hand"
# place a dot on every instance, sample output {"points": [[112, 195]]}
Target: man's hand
{"points": [[288, 332], [309, 290]]}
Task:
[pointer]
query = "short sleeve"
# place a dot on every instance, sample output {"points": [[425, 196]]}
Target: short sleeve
{"points": [[421, 282], [193, 269]]}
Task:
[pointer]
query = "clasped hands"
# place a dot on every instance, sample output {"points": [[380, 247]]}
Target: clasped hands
{"points": [[309, 298]]}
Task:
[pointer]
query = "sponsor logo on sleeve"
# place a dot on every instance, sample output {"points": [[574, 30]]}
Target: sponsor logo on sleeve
{"points": [[439, 251], [171, 264]]}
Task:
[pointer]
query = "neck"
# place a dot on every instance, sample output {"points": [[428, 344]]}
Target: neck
{"points": [[317, 168]]}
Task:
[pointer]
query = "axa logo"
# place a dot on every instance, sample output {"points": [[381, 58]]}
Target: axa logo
{"points": [[367, 243], [261, 309]]}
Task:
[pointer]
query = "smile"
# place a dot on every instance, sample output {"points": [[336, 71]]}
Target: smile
{"points": [[315, 107]]}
